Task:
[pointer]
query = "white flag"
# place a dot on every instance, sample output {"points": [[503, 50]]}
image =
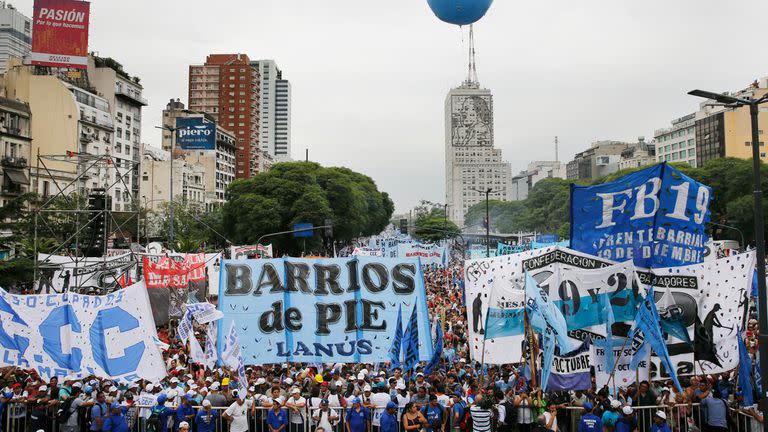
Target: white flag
{"points": [[210, 346], [195, 351], [231, 350]]}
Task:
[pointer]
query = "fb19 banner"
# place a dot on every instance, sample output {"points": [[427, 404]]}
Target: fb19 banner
{"points": [[321, 310], [655, 217]]}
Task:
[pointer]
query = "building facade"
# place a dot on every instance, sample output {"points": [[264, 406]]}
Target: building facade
{"points": [[275, 111], [678, 142], [15, 133], [600, 159], [472, 164], [123, 93], [536, 171], [726, 132], [155, 186], [227, 87], [218, 165], [15, 34], [638, 155]]}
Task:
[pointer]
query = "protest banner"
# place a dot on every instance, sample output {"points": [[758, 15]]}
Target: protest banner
{"points": [[570, 371], [654, 216], [428, 253], [321, 310], [85, 275], [75, 336]]}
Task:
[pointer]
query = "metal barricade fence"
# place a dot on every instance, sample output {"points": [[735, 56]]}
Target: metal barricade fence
{"points": [[20, 418]]}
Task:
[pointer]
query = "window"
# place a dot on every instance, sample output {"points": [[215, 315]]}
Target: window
{"points": [[119, 133], [691, 152], [674, 146]]}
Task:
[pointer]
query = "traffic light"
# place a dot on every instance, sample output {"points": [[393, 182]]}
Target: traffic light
{"points": [[328, 228], [404, 226], [485, 222]]}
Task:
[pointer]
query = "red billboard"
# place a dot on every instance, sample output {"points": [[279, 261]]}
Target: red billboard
{"points": [[60, 33]]}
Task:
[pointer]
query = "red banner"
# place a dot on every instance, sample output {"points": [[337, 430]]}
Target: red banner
{"points": [[170, 273], [60, 33]]}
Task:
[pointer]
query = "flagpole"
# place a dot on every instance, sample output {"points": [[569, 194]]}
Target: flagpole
{"points": [[616, 363]]}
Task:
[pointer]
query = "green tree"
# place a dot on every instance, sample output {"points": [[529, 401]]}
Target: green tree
{"points": [[294, 192]]}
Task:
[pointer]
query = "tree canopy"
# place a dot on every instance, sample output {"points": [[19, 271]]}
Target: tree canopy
{"points": [[431, 224], [547, 208], [304, 192]]}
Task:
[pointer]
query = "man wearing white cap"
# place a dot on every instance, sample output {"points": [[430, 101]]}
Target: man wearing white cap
{"points": [[296, 405], [237, 413], [660, 422], [206, 418]]}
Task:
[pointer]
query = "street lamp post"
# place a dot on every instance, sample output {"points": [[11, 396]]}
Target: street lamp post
{"points": [[753, 104], [172, 130], [487, 192]]}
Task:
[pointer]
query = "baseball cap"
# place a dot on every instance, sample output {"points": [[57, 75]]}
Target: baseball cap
{"points": [[391, 405], [43, 388], [215, 386], [174, 380], [295, 390], [661, 415], [627, 410], [288, 381], [367, 388], [115, 405], [355, 401], [261, 381], [361, 376], [77, 384], [400, 386], [206, 403], [587, 406], [324, 402], [615, 403], [184, 424]]}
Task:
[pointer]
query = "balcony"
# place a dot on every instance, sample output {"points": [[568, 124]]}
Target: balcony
{"points": [[14, 162], [132, 96], [95, 121]]}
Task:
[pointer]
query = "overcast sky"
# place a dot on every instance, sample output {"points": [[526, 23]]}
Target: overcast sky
{"points": [[369, 77]]}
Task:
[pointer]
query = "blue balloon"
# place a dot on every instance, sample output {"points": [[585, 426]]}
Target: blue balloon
{"points": [[460, 12]]}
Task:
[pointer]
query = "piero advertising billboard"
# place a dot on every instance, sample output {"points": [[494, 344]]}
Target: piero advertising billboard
{"points": [[195, 133], [60, 33]]}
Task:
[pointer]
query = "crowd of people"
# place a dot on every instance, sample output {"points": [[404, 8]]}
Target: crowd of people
{"points": [[457, 396]]}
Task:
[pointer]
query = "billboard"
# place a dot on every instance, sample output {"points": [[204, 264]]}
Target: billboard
{"points": [[195, 133], [60, 33]]}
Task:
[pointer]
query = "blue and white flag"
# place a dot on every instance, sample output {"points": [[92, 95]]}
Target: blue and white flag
{"points": [[570, 371], [544, 313], [231, 350], [185, 327], [438, 351], [758, 375], [211, 356], [397, 341], [647, 322], [205, 312], [411, 342], [196, 353], [745, 373], [548, 349]]}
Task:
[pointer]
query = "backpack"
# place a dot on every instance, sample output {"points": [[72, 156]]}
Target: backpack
{"points": [[153, 422], [63, 413]]}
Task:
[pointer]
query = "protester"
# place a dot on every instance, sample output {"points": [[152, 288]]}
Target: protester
{"points": [[660, 422], [589, 422]]}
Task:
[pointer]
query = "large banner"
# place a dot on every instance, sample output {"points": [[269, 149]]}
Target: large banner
{"points": [[75, 336], [97, 275], [60, 33], [428, 253], [571, 371], [655, 217], [621, 363], [578, 283], [707, 301], [321, 310]]}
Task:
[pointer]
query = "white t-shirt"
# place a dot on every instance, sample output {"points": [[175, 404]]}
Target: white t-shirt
{"points": [[548, 417], [239, 414], [756, 425], [296, 417], [379, 400], [324, 421], [444, 400]]}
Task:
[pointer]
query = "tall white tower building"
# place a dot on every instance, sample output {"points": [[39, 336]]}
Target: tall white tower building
{"points": [[275, 111], [472, 164], [15, 34]]}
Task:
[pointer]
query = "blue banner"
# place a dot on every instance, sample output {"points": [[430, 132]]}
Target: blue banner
{"points": [[570, 371], [321, 310], [647, 322], [195, 133], [745, 372], [397, 341], [411, 342], [655, 217], [544, 313]]}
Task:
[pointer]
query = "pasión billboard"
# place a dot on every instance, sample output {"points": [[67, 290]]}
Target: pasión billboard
{"points": [[195, 133], [60, 33]]}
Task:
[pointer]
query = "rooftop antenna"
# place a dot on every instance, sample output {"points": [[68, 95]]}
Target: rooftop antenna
{"points": [[472, 69], [557, 158]]}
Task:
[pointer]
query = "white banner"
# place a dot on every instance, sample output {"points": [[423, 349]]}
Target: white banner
{"points": [[366, 252], [101, 274], [75, 336], [427, 253], [247, 252], [625, 374]]}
